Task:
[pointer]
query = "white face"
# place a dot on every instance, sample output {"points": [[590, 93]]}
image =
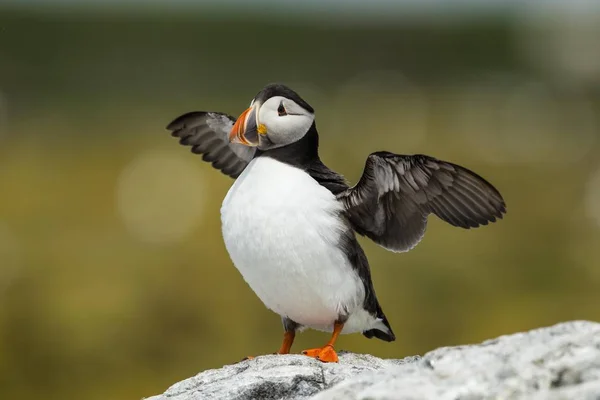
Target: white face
{"points": [[286, 122]]}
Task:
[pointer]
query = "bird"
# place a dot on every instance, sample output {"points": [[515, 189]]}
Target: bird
{"points": [[290, 224]]}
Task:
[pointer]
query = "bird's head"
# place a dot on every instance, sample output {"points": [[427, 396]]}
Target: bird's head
{"points": [[277, 116]]}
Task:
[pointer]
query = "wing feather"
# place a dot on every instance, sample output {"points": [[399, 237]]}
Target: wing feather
{"points": [[207, 133], [396, 193]]}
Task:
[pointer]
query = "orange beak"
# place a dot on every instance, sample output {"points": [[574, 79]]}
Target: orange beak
{"points": [[244, 130]]}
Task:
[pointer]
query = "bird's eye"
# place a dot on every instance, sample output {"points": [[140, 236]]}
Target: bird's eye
{"points": [[281, 110]]}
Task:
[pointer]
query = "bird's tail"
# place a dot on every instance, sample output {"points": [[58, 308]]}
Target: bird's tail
{"points": [[383, 330]]}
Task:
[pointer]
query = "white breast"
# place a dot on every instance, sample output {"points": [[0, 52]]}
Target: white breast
{"points": [[281, 229]]}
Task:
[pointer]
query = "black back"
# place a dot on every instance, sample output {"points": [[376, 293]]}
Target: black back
{"points": [[304, 154]]}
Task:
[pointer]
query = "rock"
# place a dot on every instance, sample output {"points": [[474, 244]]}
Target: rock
{"points": [[559, 362], [275, 377]]}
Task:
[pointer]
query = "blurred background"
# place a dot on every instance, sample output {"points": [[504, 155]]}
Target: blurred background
{"points": [[114, 280]]}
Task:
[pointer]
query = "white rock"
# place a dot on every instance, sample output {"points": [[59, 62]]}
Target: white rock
{"points": [[559, 362]]}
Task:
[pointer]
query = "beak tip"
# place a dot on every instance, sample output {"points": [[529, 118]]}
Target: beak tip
{"points": [[244, 126], [235, 140]]}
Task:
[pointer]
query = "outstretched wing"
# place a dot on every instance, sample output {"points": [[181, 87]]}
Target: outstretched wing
{"points": [[396, 193], [208, 134]]}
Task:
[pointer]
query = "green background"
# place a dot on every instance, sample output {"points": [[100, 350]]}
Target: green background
{"points": [[114, 281]]}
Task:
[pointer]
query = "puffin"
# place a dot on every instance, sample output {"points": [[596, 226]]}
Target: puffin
{"points": [[290, 223]]}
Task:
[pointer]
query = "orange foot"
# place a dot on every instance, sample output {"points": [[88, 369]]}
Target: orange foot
{"points": [[247, 358], [325, 354]]}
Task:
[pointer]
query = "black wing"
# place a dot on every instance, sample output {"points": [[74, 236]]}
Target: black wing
{"points": [[208, 134], [396, 193]]}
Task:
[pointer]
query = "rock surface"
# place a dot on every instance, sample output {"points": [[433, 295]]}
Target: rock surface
{"points": [[559, 362]]}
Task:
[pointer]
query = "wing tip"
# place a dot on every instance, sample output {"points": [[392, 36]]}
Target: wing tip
{"points": [[473, 221], [498, 215], [183, 140], [182, 121]]}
